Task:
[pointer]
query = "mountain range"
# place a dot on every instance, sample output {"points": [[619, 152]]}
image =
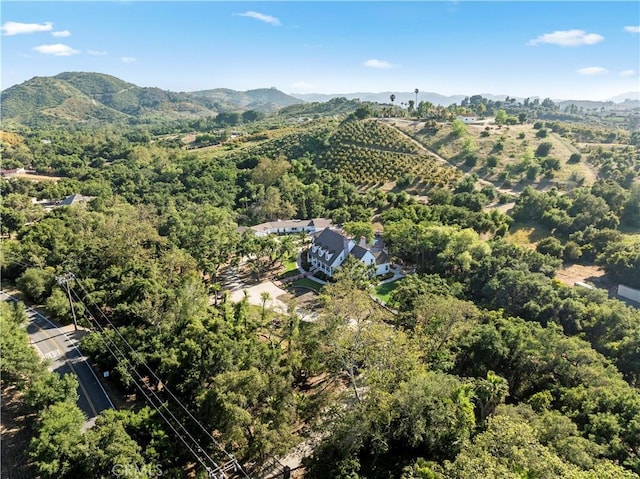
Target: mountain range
{"points": [[96, 97], [444, 100], [82, 97]]}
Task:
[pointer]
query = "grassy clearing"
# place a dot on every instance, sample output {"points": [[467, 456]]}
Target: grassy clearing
{"points": [[383, 291], [527, 233]]}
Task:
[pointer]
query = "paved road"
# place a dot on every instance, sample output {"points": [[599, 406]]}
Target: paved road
{"points": [[61, 349]]}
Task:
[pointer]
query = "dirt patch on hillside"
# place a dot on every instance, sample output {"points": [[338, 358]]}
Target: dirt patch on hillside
{"points": [[33, 177], [569, 275]]}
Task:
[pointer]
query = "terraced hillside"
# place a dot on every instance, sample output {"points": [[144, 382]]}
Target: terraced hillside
{"points": [[508, 156], [370, 153]]}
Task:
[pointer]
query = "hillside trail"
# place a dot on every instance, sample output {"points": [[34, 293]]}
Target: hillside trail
{"points": [[589, 171], [507, 191]]}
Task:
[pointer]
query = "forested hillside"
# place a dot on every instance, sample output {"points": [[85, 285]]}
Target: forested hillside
{"points": [[479, 364], [96, 98]]}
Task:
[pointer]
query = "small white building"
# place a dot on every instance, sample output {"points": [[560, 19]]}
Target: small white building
{"points": [[629, 293], [468, 118], [289, 226]]}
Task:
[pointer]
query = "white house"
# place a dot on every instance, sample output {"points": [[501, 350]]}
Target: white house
{"points": [[330, 249], [289, 226]]}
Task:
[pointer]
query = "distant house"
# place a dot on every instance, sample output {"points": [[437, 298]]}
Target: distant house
{"points": [[468, 118], [75, 199], [288, 227], [10, 173], [330, 248]]}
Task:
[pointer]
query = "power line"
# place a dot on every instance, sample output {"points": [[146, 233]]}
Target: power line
{"points": [[64, 279], [213, 472], [232, 464], [141, 388]]}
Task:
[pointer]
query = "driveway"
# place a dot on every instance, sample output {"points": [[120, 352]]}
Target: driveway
{"points": [[254, 295]]}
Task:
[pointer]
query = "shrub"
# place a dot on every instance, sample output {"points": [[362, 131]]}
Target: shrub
{"points": [[551, 246], [543, 149], [492, 161], [575, 158], [572, 251]]}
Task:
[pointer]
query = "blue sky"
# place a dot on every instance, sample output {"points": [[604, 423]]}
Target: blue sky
{"points": [[579, 50]]}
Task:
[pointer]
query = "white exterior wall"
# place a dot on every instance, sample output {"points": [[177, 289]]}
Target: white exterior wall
{"points": [[629, 293], [368, 259], [382, 269], [468, 119]]}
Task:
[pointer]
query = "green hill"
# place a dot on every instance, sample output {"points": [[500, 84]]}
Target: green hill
{"points": [[52, 98], [80, 97], [263, 99]]}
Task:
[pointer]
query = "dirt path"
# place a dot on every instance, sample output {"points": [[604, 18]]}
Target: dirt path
{"points": [[446, 162]]}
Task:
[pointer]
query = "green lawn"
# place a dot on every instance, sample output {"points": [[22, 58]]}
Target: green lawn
{"points": [[290, 265], [290, 268], [307, 283], [383, 291]]}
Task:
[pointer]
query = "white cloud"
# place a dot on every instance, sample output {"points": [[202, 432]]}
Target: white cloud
{"points": [[590, 71], [379, 64], [627, 73], [301, 86], [128, 59], [262, 17], [57, 49], [632, 29], [96, 52], [17, 28], [567, 38], [61, 33]]}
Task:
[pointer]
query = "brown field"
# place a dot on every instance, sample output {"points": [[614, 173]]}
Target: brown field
{"points": [[569, 275], [32, 177]]}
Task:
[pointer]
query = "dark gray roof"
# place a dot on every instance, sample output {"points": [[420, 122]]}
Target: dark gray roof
{"points": [[359, 252], [75, 199], [381, 257], [328, 240]]}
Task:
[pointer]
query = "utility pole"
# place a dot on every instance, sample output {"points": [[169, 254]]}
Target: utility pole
{"points": [[63, 280]]}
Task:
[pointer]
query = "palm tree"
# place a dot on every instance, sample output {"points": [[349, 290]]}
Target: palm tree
{"points": [[416, 91], [392, 97], [264, 296], [489, 393]]}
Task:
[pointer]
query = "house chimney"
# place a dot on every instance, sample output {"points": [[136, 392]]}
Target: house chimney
{"points": [[363, 241]]}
